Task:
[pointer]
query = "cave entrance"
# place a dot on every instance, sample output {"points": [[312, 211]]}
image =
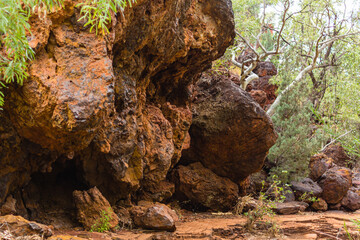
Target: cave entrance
{"points": [[48, 196]]}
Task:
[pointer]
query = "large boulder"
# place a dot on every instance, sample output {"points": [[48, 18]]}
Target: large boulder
{"points": [[335, 183], [230, 133], [201, 185], [93, 210]]}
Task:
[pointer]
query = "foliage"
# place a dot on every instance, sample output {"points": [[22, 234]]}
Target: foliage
{"points": [[263, 209], [15, 52], [296, 140], [97, 13], [320, 40], [103, 223]]}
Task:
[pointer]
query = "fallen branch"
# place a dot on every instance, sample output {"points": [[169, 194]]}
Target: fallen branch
{"points": [[334, 140]]}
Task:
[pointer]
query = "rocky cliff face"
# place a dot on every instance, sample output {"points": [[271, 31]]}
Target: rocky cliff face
{"points": [[114, 112]]}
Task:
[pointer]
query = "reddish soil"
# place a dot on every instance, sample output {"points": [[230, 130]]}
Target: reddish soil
{"points": [[328, 225]]}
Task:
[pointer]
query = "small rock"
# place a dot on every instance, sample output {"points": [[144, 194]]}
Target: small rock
{"points": [[318, 165], [320, 205], [351, 200], [307, 187], [20, 227], [290, 207], [335, 183], [155, 217], [93, 208], [201, 185]]}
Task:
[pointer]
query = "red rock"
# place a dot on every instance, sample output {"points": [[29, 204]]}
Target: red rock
{"points": [[19, 227], [335, 183], [119, 106], [201, 185], [225, 115], [154, 216], [259, 96], [92, 206], [337, 153], [351, 200], [320, 205], [318, 165]]}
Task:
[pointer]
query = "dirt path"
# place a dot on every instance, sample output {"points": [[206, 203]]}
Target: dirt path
{"points": [[328, 225]]}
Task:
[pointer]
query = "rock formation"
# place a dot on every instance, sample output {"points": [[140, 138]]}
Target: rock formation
{"points": [[114, 112], [230, 133]]}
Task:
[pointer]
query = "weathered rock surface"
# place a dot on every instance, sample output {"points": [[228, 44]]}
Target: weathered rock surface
{"points": [[154, 216], [318, 165], [337, 153], [221, 119], [335, 183], [261, 86], [93, 208], [117, 106], [351, 200], [17, 226], [307, 187], [290, 207], [320, 205], [9, 207], [201, 185]]}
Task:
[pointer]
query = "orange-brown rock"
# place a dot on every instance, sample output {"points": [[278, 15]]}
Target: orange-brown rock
{"points": [[351, 200], [337, 153], [320, 205], [265, 70], [93, 209], [201, 185], [259, 96], [230, 133], [318, 165], [155, 216], [335, 183], [18, 228], [118, 105]]}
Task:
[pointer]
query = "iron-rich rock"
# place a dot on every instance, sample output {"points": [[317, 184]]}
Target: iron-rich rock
{"points": [[320, 205], [225, 115], [337, 153], [335, 183], [17, 226], [351, 200], [306, 188], [318, 165], [154, 216], [118, 106], [93, 209], [290, 207], [201, 185]]}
